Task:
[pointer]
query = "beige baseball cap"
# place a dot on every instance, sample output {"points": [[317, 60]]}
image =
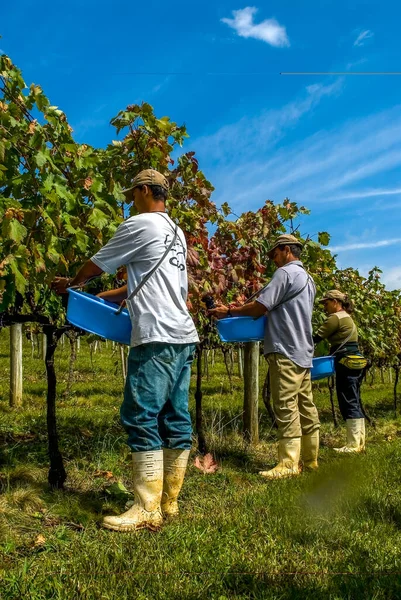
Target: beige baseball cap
{"points": [[333, 295], [284, 240], [147, 177]]}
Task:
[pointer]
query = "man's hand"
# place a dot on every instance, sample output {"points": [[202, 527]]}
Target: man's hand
{"points": [[88, 271], [220, 311], [60, 284], [117, 296], [253, 309]]}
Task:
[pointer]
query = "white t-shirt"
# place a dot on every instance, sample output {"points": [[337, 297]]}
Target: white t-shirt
{"points": [[158, 312]]}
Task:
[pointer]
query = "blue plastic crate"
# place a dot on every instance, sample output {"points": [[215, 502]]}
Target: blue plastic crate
{"points": [[98, 316], [322, 367], [241, 329]]}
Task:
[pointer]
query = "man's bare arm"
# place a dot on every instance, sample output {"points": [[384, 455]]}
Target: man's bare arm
{"points": [[253, 309], [117, 296], [87, 271]]}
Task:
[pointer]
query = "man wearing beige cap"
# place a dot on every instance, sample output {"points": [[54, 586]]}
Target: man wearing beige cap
{"points": [[288, 347], [154, 412]]}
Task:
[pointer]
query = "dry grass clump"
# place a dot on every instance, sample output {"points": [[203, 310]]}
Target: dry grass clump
{"points": [[17, 512], [21, 475]]}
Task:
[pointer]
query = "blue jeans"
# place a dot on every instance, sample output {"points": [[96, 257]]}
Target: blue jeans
{"points": [[155, 412]]}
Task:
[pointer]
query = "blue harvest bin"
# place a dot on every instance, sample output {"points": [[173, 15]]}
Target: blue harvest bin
{"points": [[322, 367], [241, 329], [98, 316]]}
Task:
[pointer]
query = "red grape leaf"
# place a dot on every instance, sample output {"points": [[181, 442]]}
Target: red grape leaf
{"points": [[206, 464]]}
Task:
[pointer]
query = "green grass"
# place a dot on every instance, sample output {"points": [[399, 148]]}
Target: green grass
{"points": [[332, 534]]}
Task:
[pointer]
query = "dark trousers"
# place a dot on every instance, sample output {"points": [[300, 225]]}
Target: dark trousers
{"points": [[348, 385]]}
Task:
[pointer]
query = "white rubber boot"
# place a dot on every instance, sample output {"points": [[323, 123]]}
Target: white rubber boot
{"points": [[147, 488], [363, 436], [289, 450], [310, 450], [355, 436], [175, 464]]}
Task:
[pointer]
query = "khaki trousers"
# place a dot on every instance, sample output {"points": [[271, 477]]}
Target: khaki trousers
{"points": [[291, 390]]}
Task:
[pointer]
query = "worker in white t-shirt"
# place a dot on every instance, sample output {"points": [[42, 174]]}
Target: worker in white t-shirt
{"points": [[154, 411]]}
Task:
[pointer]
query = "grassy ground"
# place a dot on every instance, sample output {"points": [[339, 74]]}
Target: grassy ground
{"points": [[332, 534]]}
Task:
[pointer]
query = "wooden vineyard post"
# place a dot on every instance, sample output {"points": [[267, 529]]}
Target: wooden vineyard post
{"points": [[251, 392], [198, 403], [123, 358], [397, 375], [72, 337], [16, 365], [240, 362], [43, 345], [331, 384]]}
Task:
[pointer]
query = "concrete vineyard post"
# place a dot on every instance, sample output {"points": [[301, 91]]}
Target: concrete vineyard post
{"points": [[251, 392], [16, 365]]}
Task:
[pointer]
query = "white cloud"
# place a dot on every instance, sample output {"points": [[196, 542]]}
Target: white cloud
{"points": [[363, 37], [326, 166], [250, 138], [269, 31], [368, 194], [351, 65], [343, 173], [364, 245], [161, 85], [392, 278], [340, 170]]}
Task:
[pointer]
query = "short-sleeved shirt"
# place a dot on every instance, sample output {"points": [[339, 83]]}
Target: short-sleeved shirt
{"points": [[158, 312], [289, 326]]}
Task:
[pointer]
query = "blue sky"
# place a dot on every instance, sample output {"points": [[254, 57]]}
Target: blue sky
{"points": [[329, 142]]}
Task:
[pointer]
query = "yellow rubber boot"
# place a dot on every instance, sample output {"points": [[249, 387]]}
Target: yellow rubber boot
{"points": [[289, 450], [355, 437], [310, 450], [175, 464], [147, 487]]}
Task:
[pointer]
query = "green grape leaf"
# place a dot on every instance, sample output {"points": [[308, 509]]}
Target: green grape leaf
{"points": [[98, 218], [323, 238], [20, 281], [16, 230]]}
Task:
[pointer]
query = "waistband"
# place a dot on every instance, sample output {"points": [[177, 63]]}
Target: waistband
{"points": [[350, 347]]}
